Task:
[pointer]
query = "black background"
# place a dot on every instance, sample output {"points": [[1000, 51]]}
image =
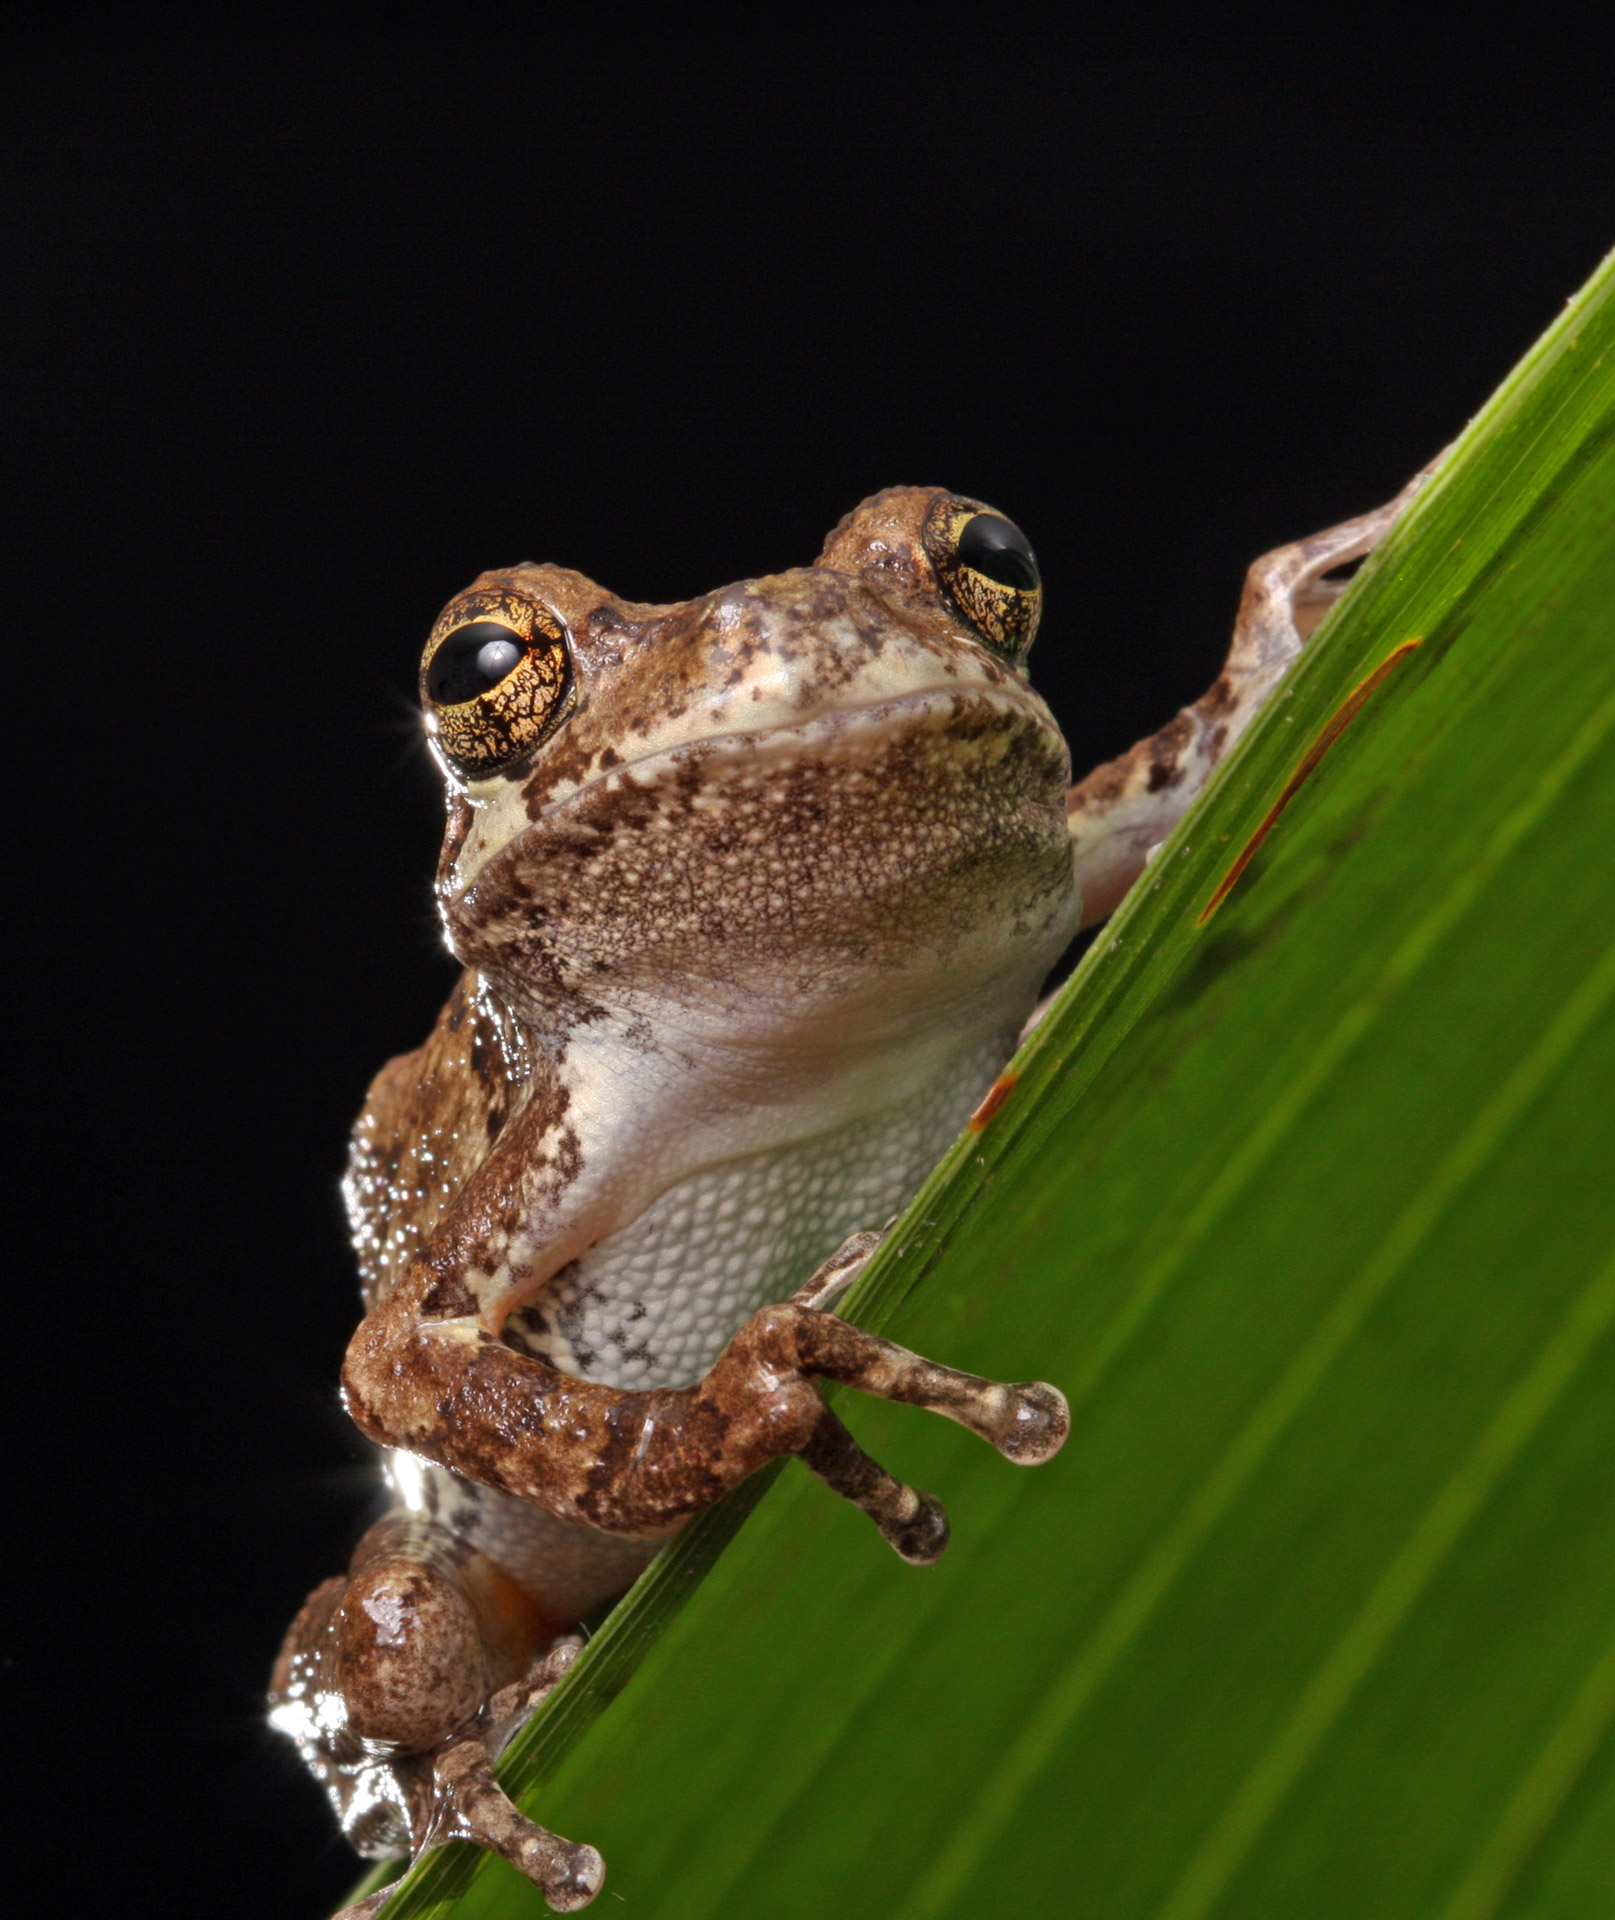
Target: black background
{"points": [[300, 337]]}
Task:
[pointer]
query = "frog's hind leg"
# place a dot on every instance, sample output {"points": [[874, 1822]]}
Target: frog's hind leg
{"points": [[569, 1875], [473, 1806], [402, 1684], [1128, 806]]}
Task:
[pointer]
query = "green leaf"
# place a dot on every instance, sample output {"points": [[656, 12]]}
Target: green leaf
{"points": [[1309, 1207]]}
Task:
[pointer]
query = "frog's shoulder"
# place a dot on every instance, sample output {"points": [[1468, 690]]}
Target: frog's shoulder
{"points": [[428, 1122]]}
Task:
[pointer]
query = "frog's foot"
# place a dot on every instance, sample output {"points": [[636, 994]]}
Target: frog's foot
{"points": [[467, 1802], [390, 1684], [567, 1874], [763, 1379], [1126, 808]]}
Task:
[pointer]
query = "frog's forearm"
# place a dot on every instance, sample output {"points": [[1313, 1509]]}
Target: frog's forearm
{"points": [[1129, 805], [448, 1390], [640, 1463]]}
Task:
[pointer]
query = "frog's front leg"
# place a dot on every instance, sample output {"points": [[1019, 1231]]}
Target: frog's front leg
{"points": [[1129, 805], [402, 1683], [640, 1463]]}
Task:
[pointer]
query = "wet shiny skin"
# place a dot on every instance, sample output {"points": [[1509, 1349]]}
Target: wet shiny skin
{"points": [[753, 894]]}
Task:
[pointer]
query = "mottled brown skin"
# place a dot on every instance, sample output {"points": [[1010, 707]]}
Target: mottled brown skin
{"points": [[762, 866], [1117, 813]]}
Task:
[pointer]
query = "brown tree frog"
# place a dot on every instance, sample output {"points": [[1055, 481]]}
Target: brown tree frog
{"points": [[753, 895]]}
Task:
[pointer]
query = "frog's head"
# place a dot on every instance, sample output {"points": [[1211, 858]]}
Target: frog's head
{"points": [[839, 767]]}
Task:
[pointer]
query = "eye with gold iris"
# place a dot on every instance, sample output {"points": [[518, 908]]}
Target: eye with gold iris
{"points": [[988, 572], [494, 681]]}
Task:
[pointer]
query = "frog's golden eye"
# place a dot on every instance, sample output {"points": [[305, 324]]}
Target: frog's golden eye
{"points": [[493, 682], [988, 572]]}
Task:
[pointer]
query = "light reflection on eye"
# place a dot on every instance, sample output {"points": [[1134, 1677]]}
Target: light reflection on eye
{"points": [[496, 659]]}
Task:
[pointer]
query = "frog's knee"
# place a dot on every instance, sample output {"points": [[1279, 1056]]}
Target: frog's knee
{"points": [[409, 1656]]}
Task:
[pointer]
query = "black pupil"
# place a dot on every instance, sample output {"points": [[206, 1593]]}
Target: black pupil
{"points": [[996, 547], [471, 661]]}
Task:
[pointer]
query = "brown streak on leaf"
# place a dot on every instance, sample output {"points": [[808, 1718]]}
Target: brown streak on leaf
{"points": [[991, 1101], [1336, 725]]}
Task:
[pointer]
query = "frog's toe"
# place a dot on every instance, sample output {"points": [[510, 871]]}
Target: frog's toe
{"points": [[1036, 1422], [571, 1878], [912, 1523], [923, 1539], [510, 1708]]}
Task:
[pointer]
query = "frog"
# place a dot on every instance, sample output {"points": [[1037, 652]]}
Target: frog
{"points": [[753, 896]]}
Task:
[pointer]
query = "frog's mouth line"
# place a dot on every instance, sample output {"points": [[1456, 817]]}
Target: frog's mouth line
{"points": [[866, 718], [818, 727]]}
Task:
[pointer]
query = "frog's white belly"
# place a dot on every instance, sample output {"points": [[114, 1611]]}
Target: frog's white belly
{"points": [[655, 1304]]}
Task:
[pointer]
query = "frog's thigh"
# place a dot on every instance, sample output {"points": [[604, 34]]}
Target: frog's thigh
{"points": [[401, 1684]]}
